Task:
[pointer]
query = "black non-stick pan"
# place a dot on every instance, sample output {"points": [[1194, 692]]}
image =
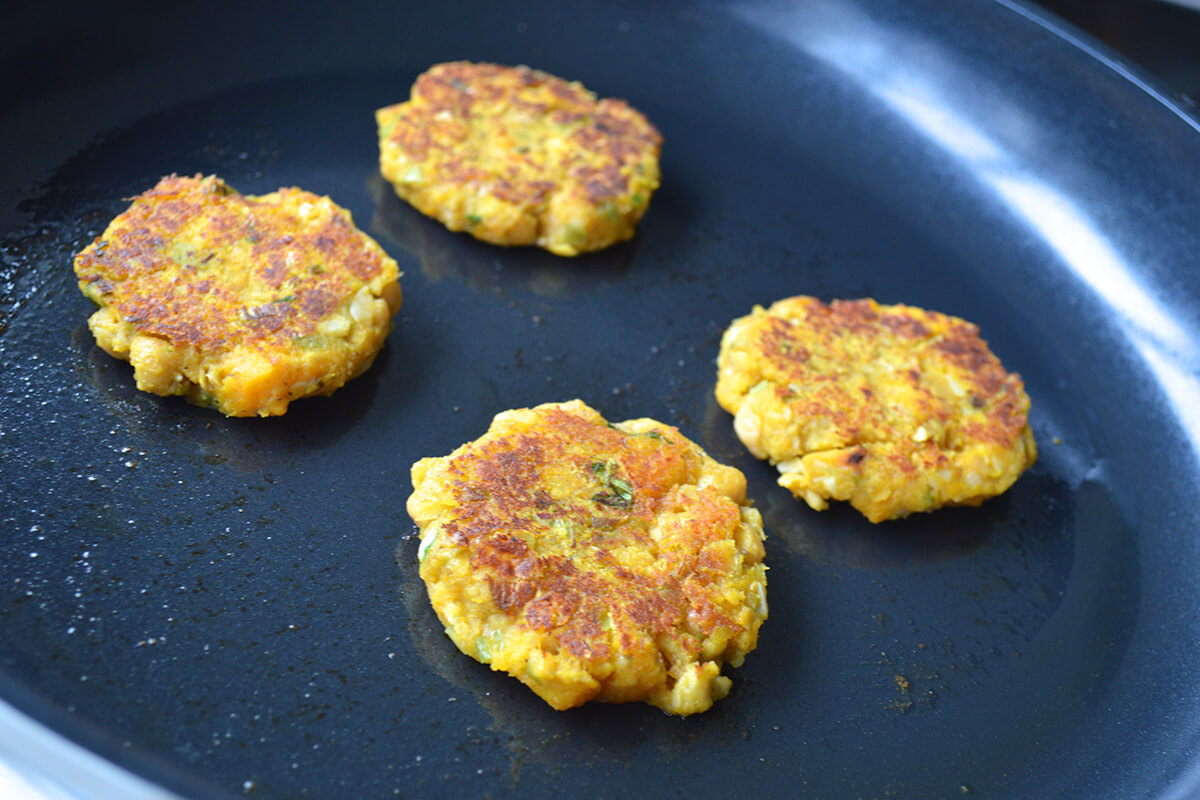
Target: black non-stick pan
{"points": [[230, 608]]}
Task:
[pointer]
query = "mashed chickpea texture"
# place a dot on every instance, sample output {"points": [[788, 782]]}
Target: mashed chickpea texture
{"points": [[240, 303], [515, 156], [593, 561], [893, 408]]}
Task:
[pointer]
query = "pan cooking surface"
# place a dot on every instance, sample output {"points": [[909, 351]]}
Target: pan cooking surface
{"points": [[231, 607]]}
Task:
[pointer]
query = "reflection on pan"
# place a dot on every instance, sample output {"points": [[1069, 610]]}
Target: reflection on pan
{"points": [[249, 445]]}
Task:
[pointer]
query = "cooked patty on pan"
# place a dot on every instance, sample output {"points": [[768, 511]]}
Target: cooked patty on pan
{"points": [[515, 156], [892, 408], [593, 561], [239, 303]]}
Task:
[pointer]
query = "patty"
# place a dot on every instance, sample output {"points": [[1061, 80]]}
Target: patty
{"points": [[593, 561], [514, 156], [239, 303], [893, 408]]}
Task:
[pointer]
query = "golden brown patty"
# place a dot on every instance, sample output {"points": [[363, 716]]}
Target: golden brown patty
{"points": [[241, 303], [593, 561], [515, 156], [893, 408]]}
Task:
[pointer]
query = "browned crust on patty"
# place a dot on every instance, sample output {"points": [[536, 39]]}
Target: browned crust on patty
{"points": [[621, 554], [892, 407], [569, 172], [240, 302], [827, 327], [572, 600], [176, 295]]}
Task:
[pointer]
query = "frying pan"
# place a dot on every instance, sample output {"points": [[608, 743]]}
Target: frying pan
{"points": [[230, 608]]}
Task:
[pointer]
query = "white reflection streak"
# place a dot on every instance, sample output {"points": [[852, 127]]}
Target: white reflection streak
{"points": [[1181, 386], [1067, 230], [1086, 252], [941, 124], [1057, 219], [1161, 342], [1165, 346]]}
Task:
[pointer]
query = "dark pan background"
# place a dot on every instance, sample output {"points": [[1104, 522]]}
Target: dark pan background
{"points": [[231, 608]]}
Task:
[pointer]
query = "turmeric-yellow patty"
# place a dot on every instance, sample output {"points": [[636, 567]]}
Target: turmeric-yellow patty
{"points": [[893, 408], [593, 561], [240, 303], [514, 156]]}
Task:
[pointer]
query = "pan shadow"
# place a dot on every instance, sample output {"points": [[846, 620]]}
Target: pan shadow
{"points": [[841, 536], [250, 445], [535, 735]]}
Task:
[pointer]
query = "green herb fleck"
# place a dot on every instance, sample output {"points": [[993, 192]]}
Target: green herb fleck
{"points": [[618, 493], [313, 341], [622, 487], [474, 219], [426, 543], [574, 235], [488, 645], [647, 434]]}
